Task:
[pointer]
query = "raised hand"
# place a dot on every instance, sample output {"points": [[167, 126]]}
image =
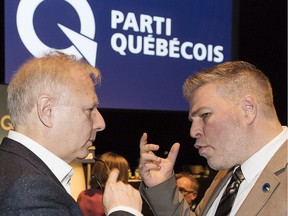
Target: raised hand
{"points": [[153, 169], [120, 194]]}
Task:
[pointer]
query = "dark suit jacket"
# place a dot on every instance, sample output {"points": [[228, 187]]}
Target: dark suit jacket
{"points": [[28, 187], [165, 200]]}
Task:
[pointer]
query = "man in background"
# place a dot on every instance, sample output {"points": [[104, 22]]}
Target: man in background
{"points": [[189, 187]]}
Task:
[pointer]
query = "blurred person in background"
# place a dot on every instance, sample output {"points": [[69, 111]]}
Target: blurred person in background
{"points": [[90, 201], [189, 187]]}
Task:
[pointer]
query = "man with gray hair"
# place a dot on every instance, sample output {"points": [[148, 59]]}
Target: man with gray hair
{"points": [[53, 106]]}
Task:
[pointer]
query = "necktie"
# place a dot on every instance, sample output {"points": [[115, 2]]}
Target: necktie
{"points": [[228, 198]]}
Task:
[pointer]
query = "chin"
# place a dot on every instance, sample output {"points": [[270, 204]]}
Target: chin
{"points": [[83, 155], [214, 166]]}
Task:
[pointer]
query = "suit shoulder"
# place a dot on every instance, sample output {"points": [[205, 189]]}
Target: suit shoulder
{"points": [[37, 194]]}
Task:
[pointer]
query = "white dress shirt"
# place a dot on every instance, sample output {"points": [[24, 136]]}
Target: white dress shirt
{"points": [[251, 170], [60, 168]]}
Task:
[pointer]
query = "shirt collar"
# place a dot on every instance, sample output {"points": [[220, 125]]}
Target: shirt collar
{"points": [[257, 162], [60, 168]]}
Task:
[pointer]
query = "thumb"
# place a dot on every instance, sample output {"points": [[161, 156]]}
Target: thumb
{"points": [[113, 176]]}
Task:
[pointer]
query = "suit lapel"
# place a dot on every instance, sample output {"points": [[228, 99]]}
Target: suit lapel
{"points": [[12, 146], [268, 175]]}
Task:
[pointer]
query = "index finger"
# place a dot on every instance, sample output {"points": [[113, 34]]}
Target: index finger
{"points": [[172, 155], [143, 139], [113, 176]]}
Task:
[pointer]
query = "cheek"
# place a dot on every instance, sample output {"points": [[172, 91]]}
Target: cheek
{"points": [[194, 197], [77, 128], [214, 131], [79, 120], [82, 128], [223, 138]]}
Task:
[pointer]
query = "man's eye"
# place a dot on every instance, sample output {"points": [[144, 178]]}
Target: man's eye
{"points": [[89, 111], [205, 116]]}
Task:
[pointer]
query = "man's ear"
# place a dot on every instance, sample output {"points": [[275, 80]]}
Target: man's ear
{"points": [[249, 106], [44, 108]]}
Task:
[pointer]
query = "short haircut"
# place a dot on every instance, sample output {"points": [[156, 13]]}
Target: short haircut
{"points": [[234, 80], [50, 74]]}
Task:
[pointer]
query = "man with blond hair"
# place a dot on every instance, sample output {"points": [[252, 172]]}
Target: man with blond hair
{"points": [[237, 130]]}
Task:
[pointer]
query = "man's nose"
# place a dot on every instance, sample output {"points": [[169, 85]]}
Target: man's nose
{"points": [[98, 121], [196, 129]]}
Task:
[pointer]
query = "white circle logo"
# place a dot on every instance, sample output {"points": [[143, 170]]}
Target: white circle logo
{"points": [[82, 43]]}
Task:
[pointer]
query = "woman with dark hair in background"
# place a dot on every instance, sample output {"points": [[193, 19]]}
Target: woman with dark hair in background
{"points": [[90, 201]]}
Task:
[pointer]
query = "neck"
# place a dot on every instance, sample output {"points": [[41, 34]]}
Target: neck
{"points": [[262, 134]]}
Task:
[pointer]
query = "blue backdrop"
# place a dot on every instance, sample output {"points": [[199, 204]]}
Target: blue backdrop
{"points": [[144, 50]]}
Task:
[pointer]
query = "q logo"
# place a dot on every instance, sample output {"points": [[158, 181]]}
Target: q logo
{"points": [[6, 123], [82, 43]]}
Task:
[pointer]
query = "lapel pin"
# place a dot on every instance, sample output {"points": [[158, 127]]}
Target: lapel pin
{"points": [[266, 187]]}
